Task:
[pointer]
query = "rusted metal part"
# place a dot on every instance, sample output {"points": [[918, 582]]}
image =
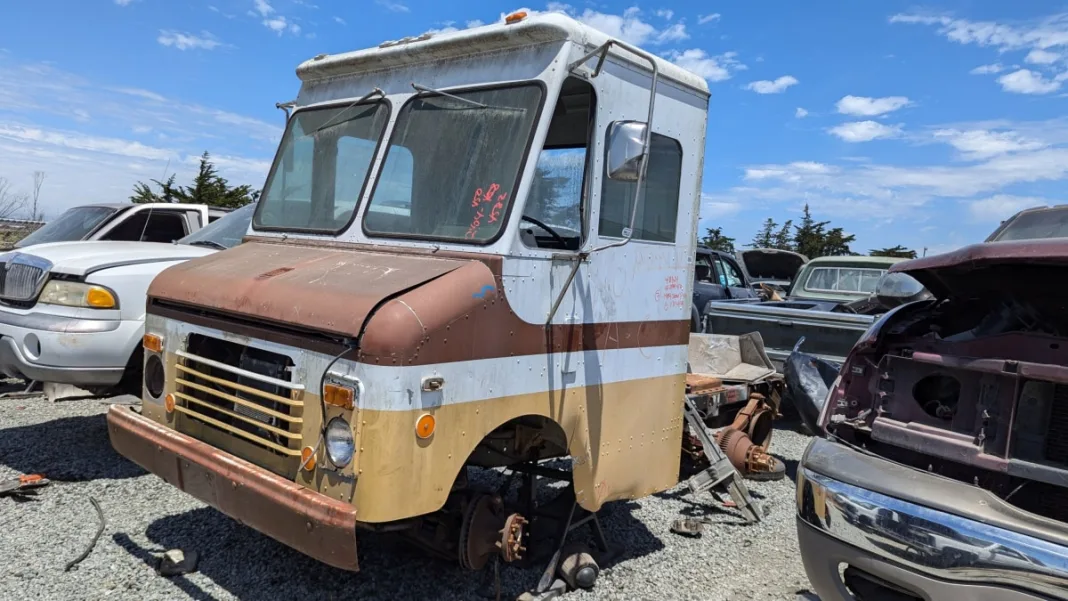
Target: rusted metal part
{"points": [[427, 310], [316, 525], [21, 484], [756, 420], [319, 289], [486, 532], [697, 383], [511, 543], [749, 459]]}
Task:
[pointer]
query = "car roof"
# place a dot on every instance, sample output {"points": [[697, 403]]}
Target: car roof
{"points": [[873, 261]]}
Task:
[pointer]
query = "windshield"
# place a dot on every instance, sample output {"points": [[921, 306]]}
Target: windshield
{"points": [[1050, 223], [321, 168], [73, 224], [225, 232], [453, 163]]}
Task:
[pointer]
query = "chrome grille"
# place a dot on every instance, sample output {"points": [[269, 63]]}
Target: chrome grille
{"points": [[21, 277], [248, 400]]}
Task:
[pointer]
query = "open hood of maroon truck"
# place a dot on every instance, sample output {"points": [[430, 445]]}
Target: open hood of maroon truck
{"points": [[986, 267], [329, 290]]}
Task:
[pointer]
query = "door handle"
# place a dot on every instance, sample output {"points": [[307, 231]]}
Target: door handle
{"points": [[785, 323]]}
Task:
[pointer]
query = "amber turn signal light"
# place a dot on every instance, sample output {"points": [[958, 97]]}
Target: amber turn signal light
{"points": [[153, 342], [307, 458], [516, 17], [339, 396], [168, 402], [424, 426]]}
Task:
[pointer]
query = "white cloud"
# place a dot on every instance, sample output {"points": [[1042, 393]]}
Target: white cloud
{"points": [[145, 132], [396, 7], [776, 86], [187, 41], [277, 24], [1001, 206], [294, 29], [123, 2], [712, 206], [1045, 33], [800, 113], [988, 69], [983, 144], [1026, 81], [675, 33], [665, 13], [629, 27], [708, 18], [864, 131], [474, 23], [263, 7], [712, 68], [340, 21], [863, 106], [1039, 56]]}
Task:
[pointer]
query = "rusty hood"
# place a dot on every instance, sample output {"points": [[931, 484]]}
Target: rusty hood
{"points": [[990, 267], [328, 290]]}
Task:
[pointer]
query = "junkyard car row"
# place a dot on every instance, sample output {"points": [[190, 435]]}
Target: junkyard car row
{"points": [[412, 300]]}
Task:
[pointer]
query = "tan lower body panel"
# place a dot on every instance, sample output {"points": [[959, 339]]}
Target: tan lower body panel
{"points": [[624, 439]]}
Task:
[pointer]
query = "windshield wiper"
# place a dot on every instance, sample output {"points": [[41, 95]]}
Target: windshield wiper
{"points": [[209, 243], [364, 98], [425, 90]]}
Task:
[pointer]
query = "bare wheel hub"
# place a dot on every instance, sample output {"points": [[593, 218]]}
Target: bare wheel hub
{"points": [[486, 531]]}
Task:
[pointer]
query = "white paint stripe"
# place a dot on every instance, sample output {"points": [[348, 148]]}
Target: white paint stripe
{"points": [[399, 388]]}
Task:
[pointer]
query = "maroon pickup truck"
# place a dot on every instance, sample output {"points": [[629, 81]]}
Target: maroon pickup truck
{"points": [[941, 466]]}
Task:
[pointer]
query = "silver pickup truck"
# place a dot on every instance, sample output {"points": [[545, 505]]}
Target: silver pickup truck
{"points": [[829, 304]]}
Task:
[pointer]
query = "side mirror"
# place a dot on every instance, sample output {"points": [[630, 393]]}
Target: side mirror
{"points": [[896, 289], [625, 150]]}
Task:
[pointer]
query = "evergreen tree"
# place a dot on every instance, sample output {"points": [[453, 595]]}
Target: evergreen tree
{"points": [[766, 236], [208, 188], [715, 240], [893, 251]]}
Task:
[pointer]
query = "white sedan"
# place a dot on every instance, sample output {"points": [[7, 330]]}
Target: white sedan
{"points": [[74, 312]]}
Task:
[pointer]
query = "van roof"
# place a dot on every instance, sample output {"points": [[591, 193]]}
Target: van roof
{"points": [[539, 28]]}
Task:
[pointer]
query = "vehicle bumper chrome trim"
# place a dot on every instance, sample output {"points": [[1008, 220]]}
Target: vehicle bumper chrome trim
{"points": [[933, 542], [58, 323], [312, 523]]}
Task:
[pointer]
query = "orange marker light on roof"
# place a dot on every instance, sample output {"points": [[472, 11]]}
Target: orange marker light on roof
{"points": [[424, 426], [516, 17]]}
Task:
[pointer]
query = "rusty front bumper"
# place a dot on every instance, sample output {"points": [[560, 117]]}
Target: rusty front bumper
{"points": [[307, 521]]}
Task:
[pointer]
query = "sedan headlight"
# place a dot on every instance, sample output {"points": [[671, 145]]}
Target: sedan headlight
{"points": [[78, 294], [339, 443]]}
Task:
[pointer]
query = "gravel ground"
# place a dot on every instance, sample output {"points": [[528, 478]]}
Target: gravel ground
{"points": [[67, 441]]}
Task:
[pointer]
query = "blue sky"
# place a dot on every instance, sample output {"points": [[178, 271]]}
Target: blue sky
{"points": [[904, 123]]}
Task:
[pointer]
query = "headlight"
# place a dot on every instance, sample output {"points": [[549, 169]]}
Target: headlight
{"points": [[339, 444], [78, 294]]}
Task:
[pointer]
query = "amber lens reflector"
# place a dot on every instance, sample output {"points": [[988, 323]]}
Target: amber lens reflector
{"points": [[307, 458], [424, 428], [168, 402], [153, 342], [339, 396], [515, 17]]}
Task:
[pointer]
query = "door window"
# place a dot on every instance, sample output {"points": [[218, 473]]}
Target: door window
{"points": [[149, 226], [732, 278], [659, 205]]}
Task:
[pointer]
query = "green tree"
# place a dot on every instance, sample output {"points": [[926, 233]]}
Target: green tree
{"points": [[765, 238], [781, 239], [813, 239], [716, 240], [893, 251], [208, 188]]}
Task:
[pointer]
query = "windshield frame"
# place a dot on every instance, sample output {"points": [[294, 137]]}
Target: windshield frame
{"points": [[343, 104], [536, 124], [109, 218]]}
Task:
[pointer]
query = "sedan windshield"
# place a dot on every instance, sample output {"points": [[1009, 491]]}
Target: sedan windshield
{"points": [[74, 224], [225, 232], [321, 168], [453, 163]]}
